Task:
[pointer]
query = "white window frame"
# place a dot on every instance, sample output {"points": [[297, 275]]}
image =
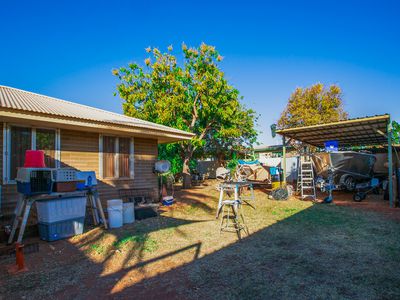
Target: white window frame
{"points": [[7, 147], [116, 157]]}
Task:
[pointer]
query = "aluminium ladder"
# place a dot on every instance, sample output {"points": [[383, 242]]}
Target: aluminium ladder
{"points": [[305, 177]]}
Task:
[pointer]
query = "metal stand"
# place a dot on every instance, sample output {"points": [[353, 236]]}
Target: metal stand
{"points": [[25, 203], [235, 186], [96, 207], [250, 197], [232, 210], [21, 214]]}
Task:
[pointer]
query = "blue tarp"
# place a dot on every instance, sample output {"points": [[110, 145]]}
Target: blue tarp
{"points": [[254, 162]]}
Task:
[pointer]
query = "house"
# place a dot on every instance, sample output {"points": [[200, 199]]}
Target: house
{"points": [[263, 152], [272, 156], [120, 149]]}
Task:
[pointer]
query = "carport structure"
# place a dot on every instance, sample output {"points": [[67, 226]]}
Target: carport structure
{"points": [[368, 131]]}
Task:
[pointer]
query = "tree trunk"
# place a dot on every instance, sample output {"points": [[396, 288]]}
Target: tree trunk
{"points": [[221, 159], [187, 179]]}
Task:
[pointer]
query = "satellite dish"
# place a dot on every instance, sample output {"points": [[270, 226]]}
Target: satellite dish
{"points": [[162, 166], [273, 130]]}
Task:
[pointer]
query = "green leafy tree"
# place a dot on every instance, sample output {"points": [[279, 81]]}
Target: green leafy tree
{"points": [[396, 132], [313, 105], [193, 96]]}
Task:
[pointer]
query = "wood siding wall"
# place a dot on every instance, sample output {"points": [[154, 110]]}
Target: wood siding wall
{"points": [[80, 150]]}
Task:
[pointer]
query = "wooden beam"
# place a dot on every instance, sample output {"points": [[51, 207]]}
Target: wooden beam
{"points": [[390, 171]]}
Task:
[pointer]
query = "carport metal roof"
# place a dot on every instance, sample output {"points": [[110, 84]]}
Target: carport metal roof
{"points": [[353, 132]]}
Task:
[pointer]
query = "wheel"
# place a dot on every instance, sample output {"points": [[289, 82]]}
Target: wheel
{"points": [[349, 183], [280, 194], [358, 197]]}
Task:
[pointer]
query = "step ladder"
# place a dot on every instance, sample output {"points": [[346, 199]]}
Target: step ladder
{"points": [[305, 178]]}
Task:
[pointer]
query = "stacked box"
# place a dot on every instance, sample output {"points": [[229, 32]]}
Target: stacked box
{"points": [[60, 230], [60, 209], [65, 180], [61, 218]]}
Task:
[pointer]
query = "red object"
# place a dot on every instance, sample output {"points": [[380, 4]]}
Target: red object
{"points": [[19, 266], [34, 159], [64, 187], [19, 255]]}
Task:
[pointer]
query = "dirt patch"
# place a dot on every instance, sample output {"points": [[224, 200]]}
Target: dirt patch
{"points": [[373, 202]]}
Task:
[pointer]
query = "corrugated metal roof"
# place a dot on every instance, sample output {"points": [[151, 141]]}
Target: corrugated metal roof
{"points": [[16, 99], [352, 132]]}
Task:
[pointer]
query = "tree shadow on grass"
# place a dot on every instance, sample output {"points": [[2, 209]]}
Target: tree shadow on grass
{"points": [[320, 252]]}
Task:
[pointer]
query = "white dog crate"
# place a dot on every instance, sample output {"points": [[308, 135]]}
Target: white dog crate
{"points": [[64, 175]]}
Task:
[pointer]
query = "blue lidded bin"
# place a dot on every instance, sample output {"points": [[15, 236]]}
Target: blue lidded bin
{"points": [[60, 230]]}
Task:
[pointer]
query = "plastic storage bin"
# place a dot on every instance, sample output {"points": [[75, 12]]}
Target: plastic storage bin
{"points": [[168, 201], [114, 210], [128, 213], [60, 209], [61, 230]]}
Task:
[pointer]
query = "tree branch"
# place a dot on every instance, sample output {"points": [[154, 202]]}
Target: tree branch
{"points": [[203, 133], [195, 115]]}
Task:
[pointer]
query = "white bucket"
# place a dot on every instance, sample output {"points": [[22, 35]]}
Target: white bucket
{"points": [[114, 210], [128, 212]]}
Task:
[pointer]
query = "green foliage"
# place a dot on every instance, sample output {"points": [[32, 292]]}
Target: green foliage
{"points": [[172, 153], [313, 105], [146, 243], [232, 164], [193, 96], [98, 249], [396, 132]]}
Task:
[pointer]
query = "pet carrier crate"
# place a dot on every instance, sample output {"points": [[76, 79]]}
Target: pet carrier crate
{"points": [[64, 175], [31, 181]]}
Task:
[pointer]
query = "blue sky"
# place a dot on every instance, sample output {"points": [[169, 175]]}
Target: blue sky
{"points": [[67, 49]]}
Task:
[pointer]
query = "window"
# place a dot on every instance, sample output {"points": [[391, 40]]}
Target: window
{"points": [[117, 157], [109, 157], [18, 139], [46, 141], [123, 156], [21, 140]]}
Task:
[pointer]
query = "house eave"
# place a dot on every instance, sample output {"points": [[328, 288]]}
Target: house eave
{"points": [[38, 119]]}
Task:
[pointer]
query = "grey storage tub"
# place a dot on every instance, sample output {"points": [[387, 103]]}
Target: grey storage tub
{"points": [[60, 230]]}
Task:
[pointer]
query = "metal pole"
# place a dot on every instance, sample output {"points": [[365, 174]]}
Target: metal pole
{"points": [[284, 159], [390, 172]]}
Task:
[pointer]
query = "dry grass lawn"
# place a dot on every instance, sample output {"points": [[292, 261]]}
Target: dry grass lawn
{"points": [[295, 250]]}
